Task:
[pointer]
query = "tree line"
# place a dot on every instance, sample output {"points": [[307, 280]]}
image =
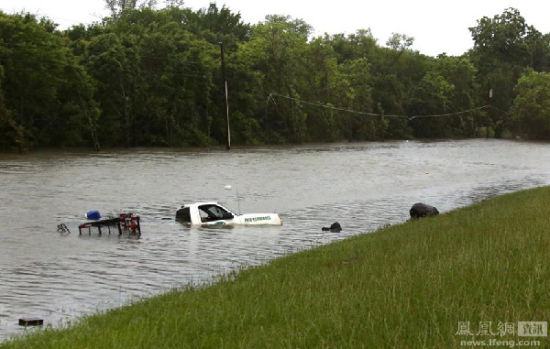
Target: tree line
{"points": [[151, 77]]}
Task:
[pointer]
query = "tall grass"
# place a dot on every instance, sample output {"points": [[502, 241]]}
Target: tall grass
{"points": [[407, 286]]}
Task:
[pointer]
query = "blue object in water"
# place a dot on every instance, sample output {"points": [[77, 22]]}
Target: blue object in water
{"points": [[93, 214]]}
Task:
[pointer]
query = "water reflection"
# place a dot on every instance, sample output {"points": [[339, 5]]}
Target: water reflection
{"points": [[363, 186]]}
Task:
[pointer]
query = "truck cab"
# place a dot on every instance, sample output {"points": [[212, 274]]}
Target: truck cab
{"points": [[204, 213], [212, 213]]}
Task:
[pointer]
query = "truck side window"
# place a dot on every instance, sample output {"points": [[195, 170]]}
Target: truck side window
{"points": [[213, 213], [205, 217]]}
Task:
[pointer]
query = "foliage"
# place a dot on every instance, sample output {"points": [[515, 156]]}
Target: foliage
{"points": [[47, 94], [118, 6], [448, 85], [150, 76], [505, 46], [531, 109]]}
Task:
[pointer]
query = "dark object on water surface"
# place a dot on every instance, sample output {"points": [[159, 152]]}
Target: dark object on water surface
{"points": [[420, 210], [27, 321], [334, 227], [63, 229]]}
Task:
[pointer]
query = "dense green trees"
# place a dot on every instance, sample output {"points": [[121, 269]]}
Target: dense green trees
{"points": [[531, 109], [504, 47], [447, 86], [149, 76], [47, 94]]}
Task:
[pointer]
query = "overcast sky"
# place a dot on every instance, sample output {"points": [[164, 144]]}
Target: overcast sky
{"points": [[437, 25]]}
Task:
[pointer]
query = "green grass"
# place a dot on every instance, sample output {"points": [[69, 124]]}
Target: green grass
{"points": [[406, 286]]}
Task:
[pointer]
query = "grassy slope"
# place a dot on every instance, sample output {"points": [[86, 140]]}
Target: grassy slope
{"points": [[405, 286]]}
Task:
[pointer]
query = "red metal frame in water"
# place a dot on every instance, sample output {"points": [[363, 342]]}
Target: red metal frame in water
{"points": [[125, 222]]}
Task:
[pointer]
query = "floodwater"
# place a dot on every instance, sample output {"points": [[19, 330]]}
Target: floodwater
{"points": [[59, 277]]}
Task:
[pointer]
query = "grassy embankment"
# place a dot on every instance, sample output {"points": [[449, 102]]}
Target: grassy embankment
{"points": [[405, 286]]}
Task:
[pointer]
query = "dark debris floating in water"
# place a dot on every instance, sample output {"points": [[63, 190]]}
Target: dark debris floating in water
{"points": [[420, 210], [30, 321], [62, 228], [334, 228]]}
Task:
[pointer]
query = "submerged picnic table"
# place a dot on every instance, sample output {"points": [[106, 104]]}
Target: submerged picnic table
{"points": [[125, 222]]}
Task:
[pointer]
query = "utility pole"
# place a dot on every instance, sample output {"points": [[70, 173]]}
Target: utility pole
{"points": [[226, 97], [489, 112]]}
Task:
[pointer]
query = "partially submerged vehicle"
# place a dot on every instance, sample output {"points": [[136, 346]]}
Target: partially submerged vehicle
{"points": [[214, 214]]}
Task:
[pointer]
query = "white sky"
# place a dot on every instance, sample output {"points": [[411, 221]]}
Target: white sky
{"points": [[437, 25]]}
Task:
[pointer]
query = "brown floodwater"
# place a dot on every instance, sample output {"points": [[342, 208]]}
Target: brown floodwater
{"points": [[59, 277]]}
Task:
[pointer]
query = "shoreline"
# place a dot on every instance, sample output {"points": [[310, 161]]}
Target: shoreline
{"points": [[408, 285], [222, 148]]}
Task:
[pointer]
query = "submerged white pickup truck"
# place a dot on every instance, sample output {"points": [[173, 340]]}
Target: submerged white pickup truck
{"points": [[212, 213]]}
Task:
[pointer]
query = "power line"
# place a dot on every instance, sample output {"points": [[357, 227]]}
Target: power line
{"points": [[449, 114], [329, 106], [408, 117]]}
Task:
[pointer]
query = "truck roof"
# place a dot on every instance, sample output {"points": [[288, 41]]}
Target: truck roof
{"points": [[201, 203]]}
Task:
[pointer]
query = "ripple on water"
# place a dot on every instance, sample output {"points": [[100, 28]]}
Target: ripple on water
{"points": [[363, 186]]}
